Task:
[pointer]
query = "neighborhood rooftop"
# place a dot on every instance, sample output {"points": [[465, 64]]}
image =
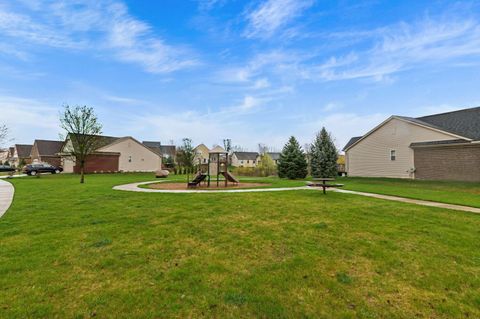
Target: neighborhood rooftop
{"points": [[464, 123], [245, 156], [48, 148]]}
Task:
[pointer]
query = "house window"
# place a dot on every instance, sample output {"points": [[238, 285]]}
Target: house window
{"points": [[248, 161], [393, 155], [129, 159], [241, 162]]}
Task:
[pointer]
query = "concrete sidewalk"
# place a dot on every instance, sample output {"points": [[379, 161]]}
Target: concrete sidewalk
{"points": [[6, 196], [412, 201]]}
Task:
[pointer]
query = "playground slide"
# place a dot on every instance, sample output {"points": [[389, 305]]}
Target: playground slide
{"points": [[197, 180], [229, 176]]}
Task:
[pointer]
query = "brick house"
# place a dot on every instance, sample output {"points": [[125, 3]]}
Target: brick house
{"points": [[442, 146], [46, 151], [19, 154]]}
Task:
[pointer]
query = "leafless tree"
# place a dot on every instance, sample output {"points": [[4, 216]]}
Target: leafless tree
{"points": [[83, 130], [3, 134]]}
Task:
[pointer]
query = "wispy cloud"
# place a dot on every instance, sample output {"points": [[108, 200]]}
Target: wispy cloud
{"points": [[405, 46], [104, 27], [272, 15]]}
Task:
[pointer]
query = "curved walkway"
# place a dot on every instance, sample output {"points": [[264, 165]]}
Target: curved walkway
{"points": [[6, 196], [134, 187]]}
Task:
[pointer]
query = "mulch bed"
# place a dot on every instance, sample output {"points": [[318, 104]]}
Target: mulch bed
{"points": [[213, 185]]}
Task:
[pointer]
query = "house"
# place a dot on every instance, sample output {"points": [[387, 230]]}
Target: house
{"points": [[443, 146], [166, 151], [245, 159], [201, 154], [114, 154], [3, 155], [19, 155], [46, 152], [275, 156]]}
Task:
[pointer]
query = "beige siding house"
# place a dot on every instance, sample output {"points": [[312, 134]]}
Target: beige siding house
{"points": [[389, 149], [245, 159], [201, 154], [134, 156]]}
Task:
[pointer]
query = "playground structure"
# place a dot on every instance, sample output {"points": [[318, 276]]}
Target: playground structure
{"points": [[217, 163]]}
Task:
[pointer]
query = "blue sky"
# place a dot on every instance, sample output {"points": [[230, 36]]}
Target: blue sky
{"points": [[255, 71]]}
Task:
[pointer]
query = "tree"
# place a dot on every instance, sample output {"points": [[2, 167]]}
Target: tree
{"points": [[83, 133], [292, 163], [186, 155], [324, 155], [3, 134], [266, 165], [227, 144]]}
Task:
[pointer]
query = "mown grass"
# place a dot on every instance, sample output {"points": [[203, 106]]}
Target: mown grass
{"points": [[450, 192], [79, 251]]}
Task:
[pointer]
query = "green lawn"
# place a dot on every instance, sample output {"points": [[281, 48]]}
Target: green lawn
{"points": [[461, 193], [78, 251]]}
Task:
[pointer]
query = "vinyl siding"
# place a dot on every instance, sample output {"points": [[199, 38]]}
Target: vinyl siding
{"points": [[371, 156], [134, 157]]}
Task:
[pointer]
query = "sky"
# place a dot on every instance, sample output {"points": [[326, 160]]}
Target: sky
{"points": [[254, 71]]}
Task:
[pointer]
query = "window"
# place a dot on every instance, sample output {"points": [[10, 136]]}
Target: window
{"points": [[129, 159], [393, 155]]}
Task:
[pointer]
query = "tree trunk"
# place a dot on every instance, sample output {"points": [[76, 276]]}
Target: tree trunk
{"points": [[82, 172]]}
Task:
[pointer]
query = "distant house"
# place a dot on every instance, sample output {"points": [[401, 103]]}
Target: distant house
{"points": [[47, 152], [201, 154], [275, 156], [245, 159], [166, 151], [114, 154], [3, 155], [19, 155], [442, 146]]}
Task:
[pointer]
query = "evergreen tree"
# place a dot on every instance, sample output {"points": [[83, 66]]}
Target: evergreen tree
{"points": [[292, 163], [323, 155]]}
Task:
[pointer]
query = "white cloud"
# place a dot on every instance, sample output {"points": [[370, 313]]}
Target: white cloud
{"points": [[405, 46], [270, 16], [27, 117], [104, 27]]}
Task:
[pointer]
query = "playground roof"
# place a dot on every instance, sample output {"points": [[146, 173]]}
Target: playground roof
{"points": [[218, 150]]}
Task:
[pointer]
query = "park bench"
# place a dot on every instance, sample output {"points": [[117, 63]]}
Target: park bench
{"points": [[324, 183]]}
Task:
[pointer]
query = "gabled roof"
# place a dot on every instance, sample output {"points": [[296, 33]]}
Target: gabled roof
{"points": [[121, 139], [160, 149], [461, 124], [48, 148], [151, 144], [352, 141], [23, 150], [274, 155], [245, 156], [217, 149]]}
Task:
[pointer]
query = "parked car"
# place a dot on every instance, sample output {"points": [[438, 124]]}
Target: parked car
{"points": [[6, 168], [34, 169]]}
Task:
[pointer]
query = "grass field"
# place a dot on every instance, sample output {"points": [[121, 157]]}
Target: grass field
{"points": [[462, 193], [79, 251]]}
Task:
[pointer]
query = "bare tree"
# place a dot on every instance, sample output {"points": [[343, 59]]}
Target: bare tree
{"points": [[83, 130], [3, 134]]}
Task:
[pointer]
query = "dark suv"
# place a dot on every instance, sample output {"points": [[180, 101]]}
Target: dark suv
{"points": [[34, 169], [6, 168]]}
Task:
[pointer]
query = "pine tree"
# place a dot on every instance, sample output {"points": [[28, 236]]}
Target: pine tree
{"points": [[292, 163], [324, 155]]}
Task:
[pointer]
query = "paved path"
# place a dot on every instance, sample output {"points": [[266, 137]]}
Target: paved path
{"points": [[6, 196], [134, 188], [413, 201]]}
